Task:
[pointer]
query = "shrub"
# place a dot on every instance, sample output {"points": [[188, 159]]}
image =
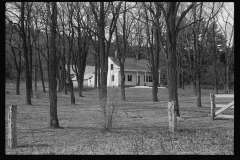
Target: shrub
{"points": [[110, 108]]}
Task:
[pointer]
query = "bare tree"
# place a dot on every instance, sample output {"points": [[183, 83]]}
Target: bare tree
{"points": [[104, 52], [226, 47], [200, 41], [83, 40], [52, 66], [63, 57], [126, 25], [14, 42], [70, 41], [153, 39], [169, 14], [29, 41], [25, 48], [96, 47]]}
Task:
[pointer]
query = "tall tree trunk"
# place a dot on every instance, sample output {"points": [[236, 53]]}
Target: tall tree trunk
{"points": [[70, 80], [18, 82], [177, 104], [172, 84], [47, 46], [41, 72], [58, 78], [153, 57], [53, 62], [82, 58], [19, 69], [178, 72], [64, 75], [198, 85], [182, 76], [64, 58], [99, 73], [71, 38], [154, 88], [156, 64], [35, 71], [30, 57], [25, 48], [35, 59], [227, 79], [215, 62], [96, 70], [81, 69], [122, 83], [104, 65], [64, 68]]}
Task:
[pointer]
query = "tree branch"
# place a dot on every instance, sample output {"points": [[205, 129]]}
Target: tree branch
{"points": [[190, 24], [182, 16], [94, 12]]}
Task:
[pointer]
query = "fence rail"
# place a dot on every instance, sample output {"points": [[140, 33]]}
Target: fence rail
{"points": [[222, 106]]}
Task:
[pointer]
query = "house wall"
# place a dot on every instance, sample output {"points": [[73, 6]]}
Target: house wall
{"points": [[75, 83], [85, 83], [114, 72], [91, 81], [134, 78]]}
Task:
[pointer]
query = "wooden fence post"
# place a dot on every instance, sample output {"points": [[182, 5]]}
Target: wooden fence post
{"points": [[172, 116], [12, 132], [212, 98]]}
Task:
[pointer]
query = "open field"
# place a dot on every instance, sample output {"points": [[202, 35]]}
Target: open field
{"points": [[140, 125]]}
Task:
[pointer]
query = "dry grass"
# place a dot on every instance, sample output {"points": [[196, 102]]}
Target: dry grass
{"points": [[139, 127]]}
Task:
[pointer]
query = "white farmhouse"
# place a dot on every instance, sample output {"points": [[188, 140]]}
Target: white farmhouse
{"points": [[136, 74]]}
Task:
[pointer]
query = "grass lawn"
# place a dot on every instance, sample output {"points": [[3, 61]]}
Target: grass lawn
{"points": [[140, 126]]}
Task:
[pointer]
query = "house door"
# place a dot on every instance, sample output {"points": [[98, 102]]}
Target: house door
{"points": [[138, 81]]}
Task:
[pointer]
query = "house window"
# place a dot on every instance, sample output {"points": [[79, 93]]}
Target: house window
{"points": [[112, 77], [144, 78], [129, 78], [150, 78], [111, 66]]}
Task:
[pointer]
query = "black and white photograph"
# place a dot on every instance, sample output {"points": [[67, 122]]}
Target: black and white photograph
{"points": [[119, 78]]}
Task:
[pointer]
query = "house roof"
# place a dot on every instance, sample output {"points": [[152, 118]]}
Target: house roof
{"points": [[133, 64], [89, 69], [88, 76]]}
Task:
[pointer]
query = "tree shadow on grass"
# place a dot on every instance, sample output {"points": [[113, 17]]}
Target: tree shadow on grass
{"points": [[83, 128], [185, 117], [221, 118], [33, 145]]}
